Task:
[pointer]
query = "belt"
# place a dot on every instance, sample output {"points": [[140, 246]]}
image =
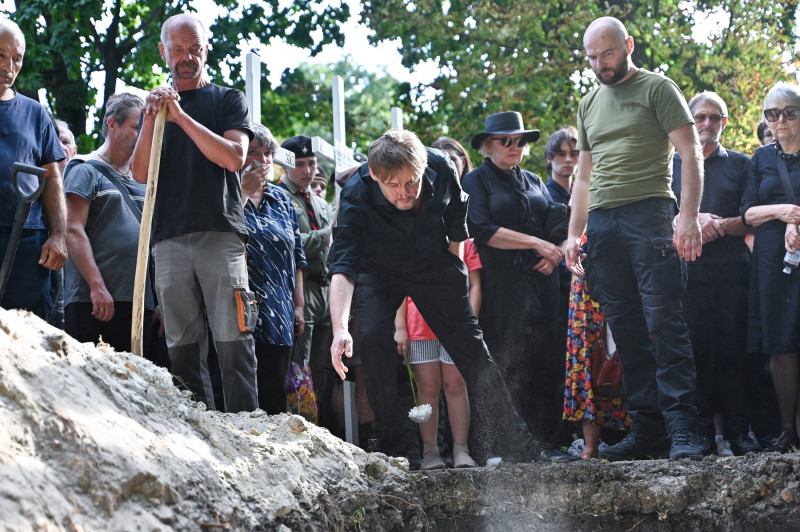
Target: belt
{"points": [[318, 278]]}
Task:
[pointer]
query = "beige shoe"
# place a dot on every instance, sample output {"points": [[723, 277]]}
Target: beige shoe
{"points": [[461, 457], [431, 458]]}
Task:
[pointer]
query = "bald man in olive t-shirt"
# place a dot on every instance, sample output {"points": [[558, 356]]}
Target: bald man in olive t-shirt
{"points": [[635, 266]]}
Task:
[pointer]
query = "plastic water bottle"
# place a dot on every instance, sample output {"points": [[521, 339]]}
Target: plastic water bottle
{"points": [[791, 260]]}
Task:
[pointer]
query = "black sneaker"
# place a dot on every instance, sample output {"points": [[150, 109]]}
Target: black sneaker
{"points": [[784, 443], [636, 445], [744, 444], [684, 443]]}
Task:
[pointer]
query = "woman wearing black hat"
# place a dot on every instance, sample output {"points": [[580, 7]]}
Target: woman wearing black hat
{"points": [[519, 313]]}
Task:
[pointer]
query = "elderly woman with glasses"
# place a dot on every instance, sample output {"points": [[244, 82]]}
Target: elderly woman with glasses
{"points": [[519, 311], [770, 204]]}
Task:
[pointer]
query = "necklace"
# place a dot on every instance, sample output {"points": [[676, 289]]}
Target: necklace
{"points": [[124, 174]]}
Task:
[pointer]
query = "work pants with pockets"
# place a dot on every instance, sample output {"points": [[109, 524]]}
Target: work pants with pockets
{"points": [[635, 273], [195, 275]]}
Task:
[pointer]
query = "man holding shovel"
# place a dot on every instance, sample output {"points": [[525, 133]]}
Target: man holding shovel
{"points": [[27, 135], [198, 223]]}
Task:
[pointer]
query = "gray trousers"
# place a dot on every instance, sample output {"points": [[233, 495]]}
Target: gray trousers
{"points": [[196, 276]]}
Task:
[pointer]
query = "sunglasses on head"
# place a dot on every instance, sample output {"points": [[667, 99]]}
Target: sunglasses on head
{"points": [[510, 141], [789, 113]]}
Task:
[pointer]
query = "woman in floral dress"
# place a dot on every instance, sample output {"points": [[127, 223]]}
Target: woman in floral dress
{"points": [[587, 332]]}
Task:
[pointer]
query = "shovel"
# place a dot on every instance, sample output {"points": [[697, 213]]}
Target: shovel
{"points": [[23, 208], [143, 255]]}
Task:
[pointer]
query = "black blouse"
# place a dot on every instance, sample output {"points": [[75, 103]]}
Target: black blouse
{"points": [[516, 200]]}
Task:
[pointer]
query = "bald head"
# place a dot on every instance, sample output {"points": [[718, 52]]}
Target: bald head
{"points": [[12, 53], [10, 30], [608, 49], [609, 27], [184, 47], [182, 21]]}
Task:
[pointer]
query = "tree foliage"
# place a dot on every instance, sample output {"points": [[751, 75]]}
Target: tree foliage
{"points": [[302, 103], [67, 41], [528, 56]]}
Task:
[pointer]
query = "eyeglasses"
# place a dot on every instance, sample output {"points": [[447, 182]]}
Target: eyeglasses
{"points": [[715, 119], [510, 141], [789, 113]]}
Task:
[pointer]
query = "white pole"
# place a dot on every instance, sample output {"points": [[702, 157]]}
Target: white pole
{"points": [[337, 87], [344, 160], [253, 86], [397, 118], [252, 77]]}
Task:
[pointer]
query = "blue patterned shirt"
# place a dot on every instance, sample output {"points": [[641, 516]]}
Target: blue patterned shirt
{"points": [[274, 252]]}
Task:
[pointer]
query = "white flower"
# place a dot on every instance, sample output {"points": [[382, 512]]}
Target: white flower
{"points": [[421, 413]]}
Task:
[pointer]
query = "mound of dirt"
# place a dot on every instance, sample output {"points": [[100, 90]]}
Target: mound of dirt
{"points": [[91, 439]]}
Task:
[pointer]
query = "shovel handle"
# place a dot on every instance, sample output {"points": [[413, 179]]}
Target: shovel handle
{"points": [[41, 173], [137, 321]]}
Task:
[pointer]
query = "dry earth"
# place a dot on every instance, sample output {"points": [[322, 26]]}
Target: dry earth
{"points": [[93, 440]]}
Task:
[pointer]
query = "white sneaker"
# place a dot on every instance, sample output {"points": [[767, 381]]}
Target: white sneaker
{"points": [[724, 448]]}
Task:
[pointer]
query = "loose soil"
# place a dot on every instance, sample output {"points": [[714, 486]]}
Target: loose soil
{"points": [[91, 439]]}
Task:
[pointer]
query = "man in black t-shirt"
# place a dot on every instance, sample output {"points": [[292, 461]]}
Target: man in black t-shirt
{"points": [[199, 231], [715, 301]]}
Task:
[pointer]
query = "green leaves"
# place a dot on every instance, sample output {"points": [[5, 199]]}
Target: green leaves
{"points": [[68, 41], [529, 57]]}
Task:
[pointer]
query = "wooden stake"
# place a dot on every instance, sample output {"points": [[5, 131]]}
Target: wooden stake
{"points": [[143, 256]]}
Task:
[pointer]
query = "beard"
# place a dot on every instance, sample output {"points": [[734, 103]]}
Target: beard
{"points": [[180, 71], [709, 135], [615, 74]]}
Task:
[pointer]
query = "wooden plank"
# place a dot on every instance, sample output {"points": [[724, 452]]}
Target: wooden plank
{"points": [[350, 412], [322, 149], [283, 157]]}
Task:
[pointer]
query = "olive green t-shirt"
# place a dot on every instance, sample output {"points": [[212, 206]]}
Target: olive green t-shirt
{"points": [[626, 128]]}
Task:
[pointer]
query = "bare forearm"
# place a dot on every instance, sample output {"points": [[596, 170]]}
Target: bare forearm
{"points": [[80, 250], [55, 207], [475, 292], [457, 249], [580, 208], [509, 239], [227, 153], [400, 316], [761, 214], [299, 298], [733, 226], [341, 295], [686, 143], [691, 187]]}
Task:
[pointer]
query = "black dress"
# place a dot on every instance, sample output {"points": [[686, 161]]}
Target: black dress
{"points": [[774, 321], [519, 311]]}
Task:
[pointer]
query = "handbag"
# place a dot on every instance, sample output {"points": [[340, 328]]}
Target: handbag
{"points": [[556, 223], [606, 370], [300, 387]]}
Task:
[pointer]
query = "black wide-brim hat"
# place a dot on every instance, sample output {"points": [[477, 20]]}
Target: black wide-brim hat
{"points": [[505, 123]]}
